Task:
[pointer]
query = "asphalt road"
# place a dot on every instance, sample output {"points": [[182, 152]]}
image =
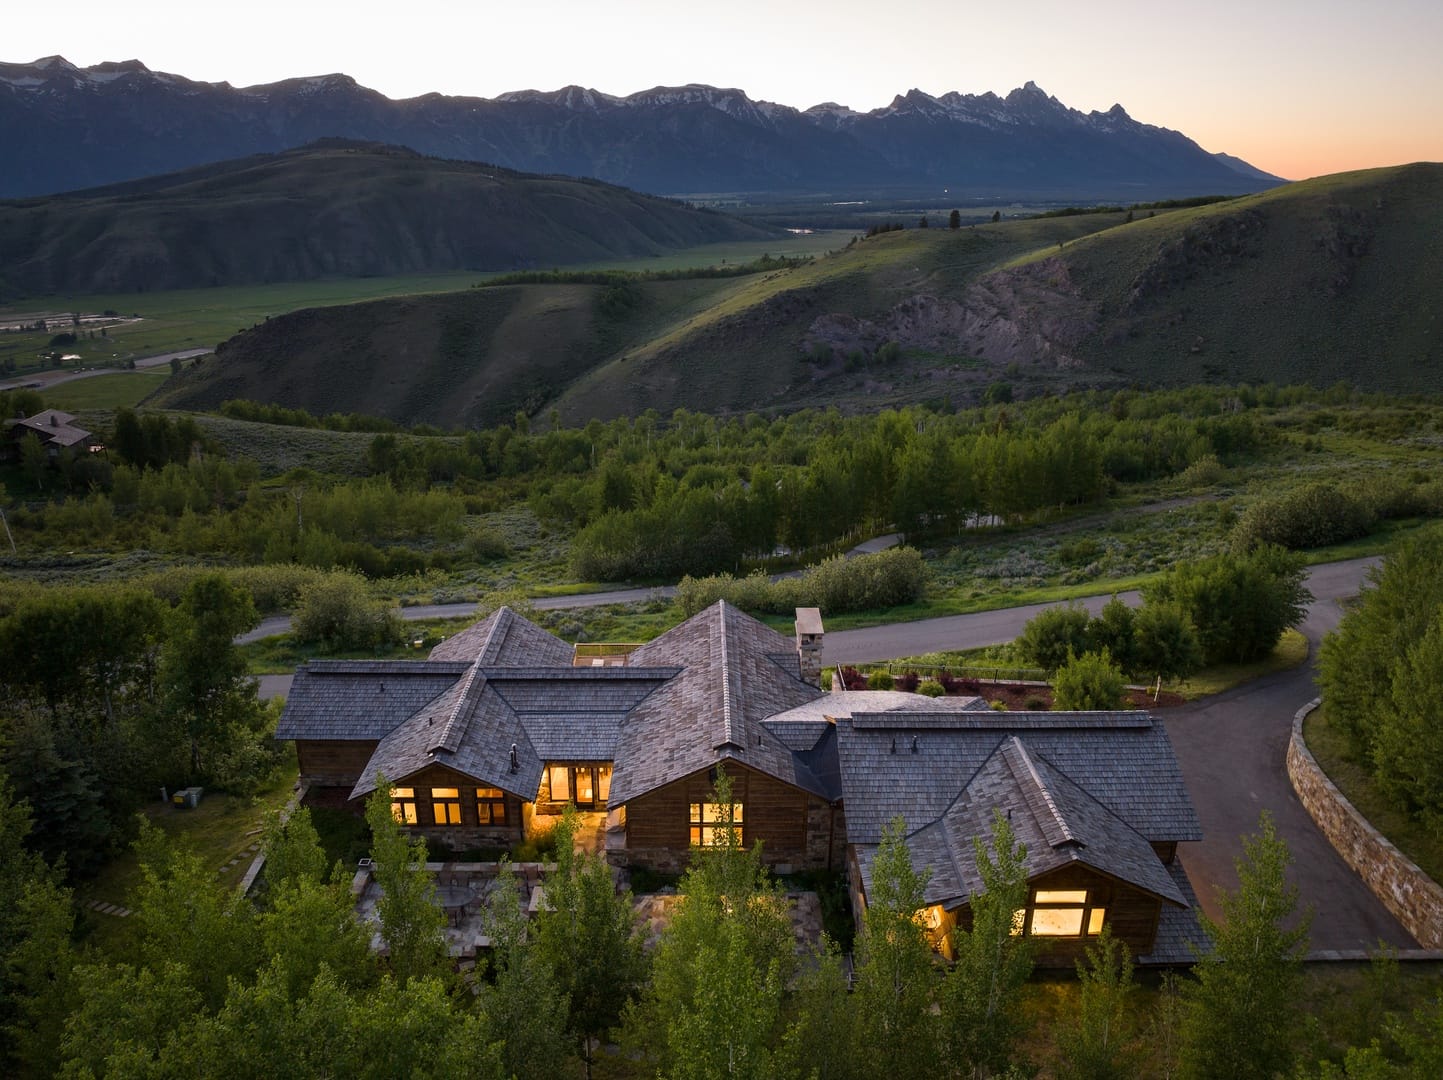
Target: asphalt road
{"points": [[56, 376]]}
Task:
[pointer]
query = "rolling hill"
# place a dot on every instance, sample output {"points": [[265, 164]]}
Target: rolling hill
{"points": [[333, 209], [666, 140], [1334, 279]]}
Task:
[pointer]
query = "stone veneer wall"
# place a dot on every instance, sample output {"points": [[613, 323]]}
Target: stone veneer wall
{"points": [[1414, 898]]}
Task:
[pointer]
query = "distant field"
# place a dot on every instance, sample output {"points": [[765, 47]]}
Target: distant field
{"points": [[108, 391], [201, 318]]}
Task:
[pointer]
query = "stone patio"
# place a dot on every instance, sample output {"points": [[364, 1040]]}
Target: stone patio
{"points": [[466, 888]]}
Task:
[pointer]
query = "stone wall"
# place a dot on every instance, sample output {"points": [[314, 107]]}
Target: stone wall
{"points": [[1414, 898]]}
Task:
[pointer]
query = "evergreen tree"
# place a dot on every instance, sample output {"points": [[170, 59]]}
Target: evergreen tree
{"points": [[1240, 1015]]}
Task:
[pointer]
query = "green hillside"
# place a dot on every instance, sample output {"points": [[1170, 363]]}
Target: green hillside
{"points": [[333, 210], [1328, 280]]}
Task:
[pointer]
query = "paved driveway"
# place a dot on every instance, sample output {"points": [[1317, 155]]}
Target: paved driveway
{"points": [[1233, 748]]}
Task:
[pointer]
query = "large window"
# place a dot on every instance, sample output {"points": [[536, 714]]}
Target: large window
{"points": [[403, 805], [710, 821], [588, 786], [490, 806], [1062, 913], [446, 805]]}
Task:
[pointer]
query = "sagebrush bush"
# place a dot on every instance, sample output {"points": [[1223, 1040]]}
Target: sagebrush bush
{"points": [[836, 585], [1314, 515]]}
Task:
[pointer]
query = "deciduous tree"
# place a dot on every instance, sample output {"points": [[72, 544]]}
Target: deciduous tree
{"points": [[1240, 1015], [588, 934], [980, 1016]]}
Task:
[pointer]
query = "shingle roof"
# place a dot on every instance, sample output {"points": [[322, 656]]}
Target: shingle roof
{"points": [[360, 700], [1061, 779], [735, 673], [1179, 940], [505, 639], [53, 426], [1057, 821], [1123, 760]]}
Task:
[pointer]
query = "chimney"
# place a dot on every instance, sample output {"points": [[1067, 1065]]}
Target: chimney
{"points": [[809, 645]]}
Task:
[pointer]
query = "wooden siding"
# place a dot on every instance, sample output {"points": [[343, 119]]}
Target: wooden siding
{"points": [[470, 832], [333, 764], [1131, 914], [777, 815]]}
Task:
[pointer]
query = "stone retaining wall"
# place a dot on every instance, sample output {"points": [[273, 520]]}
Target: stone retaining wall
{"points": [[1415, 899]]}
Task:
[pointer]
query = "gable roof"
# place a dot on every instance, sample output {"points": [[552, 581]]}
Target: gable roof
{"points": [[505, 639], [1057, 822], [1079, 788], [735, 672], [1122, 759]]}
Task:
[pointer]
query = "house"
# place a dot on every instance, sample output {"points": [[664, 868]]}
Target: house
{"points": [[499, 729], [55, 430]]}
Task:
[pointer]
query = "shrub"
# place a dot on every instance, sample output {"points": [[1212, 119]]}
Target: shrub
{"points": [[339, 612], [1314, 515], [930, 688], [1052, 635], [907, 681], [1090, 682], [1239, 604], [880, 680]]}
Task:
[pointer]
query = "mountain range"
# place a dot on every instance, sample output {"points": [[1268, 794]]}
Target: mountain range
{"points": [[66, 127]]}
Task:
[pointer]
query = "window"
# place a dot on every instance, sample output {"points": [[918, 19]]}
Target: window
{"points": [[1062, 913], [709, 824], [490, 806], [588, 786], [446, 805], [403, 805]]}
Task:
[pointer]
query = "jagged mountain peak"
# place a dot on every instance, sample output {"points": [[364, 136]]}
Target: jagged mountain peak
{"points": [[638, 140]]}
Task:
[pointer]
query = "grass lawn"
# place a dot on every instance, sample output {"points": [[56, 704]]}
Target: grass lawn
{"points": [[1291, 651], [1421, 844], [125, 389], [219, 829]]}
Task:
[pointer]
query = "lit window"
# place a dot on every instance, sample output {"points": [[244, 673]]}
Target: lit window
{"points": [[560, 783], [446, 805], [710, 823], [490, 806], [1063, 913], [588, 786], [403, 805]]}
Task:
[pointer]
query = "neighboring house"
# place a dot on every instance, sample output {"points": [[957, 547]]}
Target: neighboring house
{"points": [[56, 431], [500, 728]]}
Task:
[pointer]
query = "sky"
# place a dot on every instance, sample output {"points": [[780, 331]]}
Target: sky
{"points": [[1296, 87]]}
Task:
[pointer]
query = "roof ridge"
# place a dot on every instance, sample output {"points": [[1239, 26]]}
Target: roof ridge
{"points": [[451, 730], [729, 725], [1020, 751]]}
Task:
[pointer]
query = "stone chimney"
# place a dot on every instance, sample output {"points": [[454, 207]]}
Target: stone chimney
{"points": [[809, 644]]}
